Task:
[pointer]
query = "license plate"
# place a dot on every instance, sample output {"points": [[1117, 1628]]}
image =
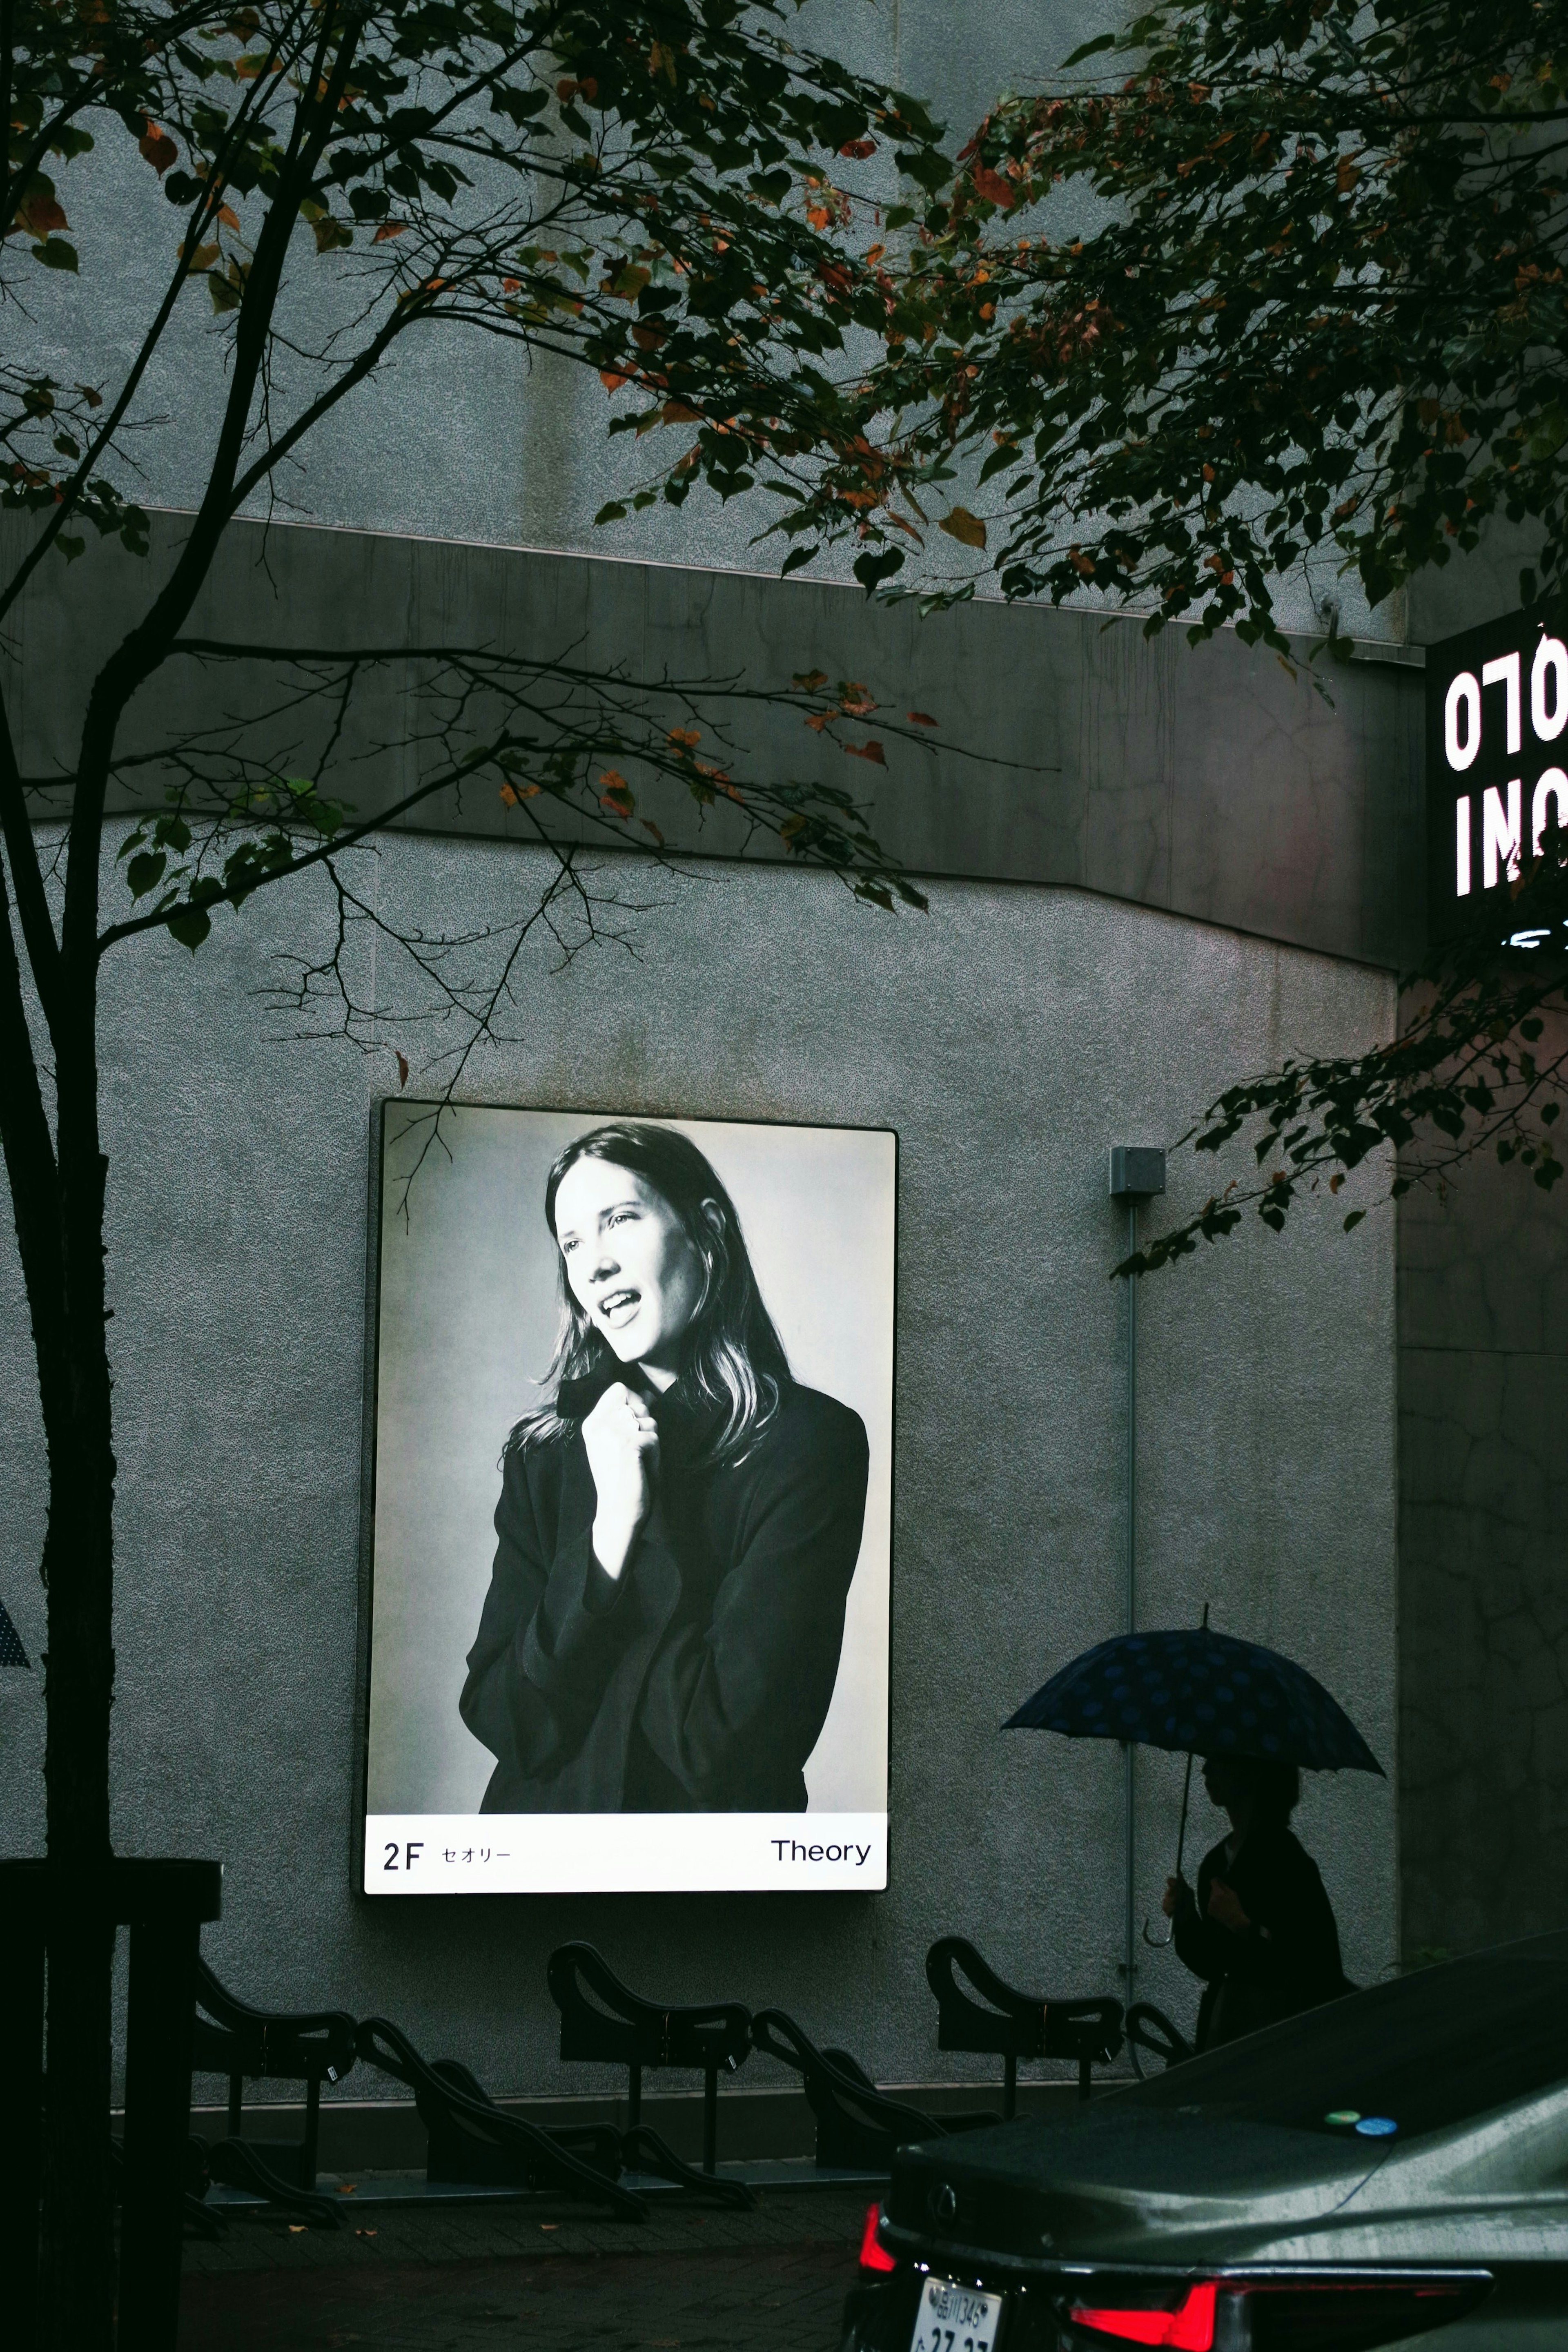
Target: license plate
{"points": [[954, 2318]]}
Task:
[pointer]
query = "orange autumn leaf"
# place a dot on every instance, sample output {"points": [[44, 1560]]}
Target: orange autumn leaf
{"points": [[872, 751], [388, 228], [920, 718], [158, 147], [686, 737], [992, 186], [965, 527], [41, 214], [676, 411]]}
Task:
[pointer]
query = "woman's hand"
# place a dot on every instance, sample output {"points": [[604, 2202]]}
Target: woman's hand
{"points": [[1171, 1900], [622, 1441], [1224, 1908]]}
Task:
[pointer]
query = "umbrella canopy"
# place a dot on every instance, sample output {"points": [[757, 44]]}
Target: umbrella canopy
{"points": [[1199, 1691]]}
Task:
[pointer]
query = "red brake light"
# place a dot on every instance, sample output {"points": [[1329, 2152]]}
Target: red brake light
{"points": [[1188, 2328], [873, 2255]]}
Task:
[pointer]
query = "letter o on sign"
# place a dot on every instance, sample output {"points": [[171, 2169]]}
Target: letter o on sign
{"points": [[1464, 695], [1550, 662]]}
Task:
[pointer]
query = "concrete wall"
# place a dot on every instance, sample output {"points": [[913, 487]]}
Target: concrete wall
{"points": [[1483, 1616], [1208, 781], [1009, 1035], [1483, 1301]]}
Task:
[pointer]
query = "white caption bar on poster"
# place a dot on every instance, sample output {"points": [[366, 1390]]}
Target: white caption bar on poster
{"points": [[630, 1853]]}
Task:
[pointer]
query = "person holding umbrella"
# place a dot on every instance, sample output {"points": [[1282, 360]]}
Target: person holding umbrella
{"points": [[1260, 1930]]}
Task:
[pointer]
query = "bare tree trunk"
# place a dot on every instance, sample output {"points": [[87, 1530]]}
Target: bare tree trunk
{"points": [[77, 2254]]}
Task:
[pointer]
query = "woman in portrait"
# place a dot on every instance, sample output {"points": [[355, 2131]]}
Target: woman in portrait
{"points": [[679, 1521]]}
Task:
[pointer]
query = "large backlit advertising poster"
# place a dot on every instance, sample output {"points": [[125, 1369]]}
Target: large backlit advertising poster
{"points": [[628, 1554]]}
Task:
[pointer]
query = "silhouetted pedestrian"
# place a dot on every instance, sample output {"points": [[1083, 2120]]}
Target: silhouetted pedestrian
{"points": [[1260, 1930]]}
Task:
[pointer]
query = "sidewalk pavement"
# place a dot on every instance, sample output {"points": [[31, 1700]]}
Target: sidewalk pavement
{"points": [[453, 2278]]}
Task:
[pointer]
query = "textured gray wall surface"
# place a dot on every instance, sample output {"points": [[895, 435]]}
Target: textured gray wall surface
{"points": [[1008, 1036], [1483, 1304], [1475, 588], [1208, 782]]}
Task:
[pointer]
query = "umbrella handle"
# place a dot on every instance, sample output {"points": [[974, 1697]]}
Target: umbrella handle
{"points": [[1186, 1791], [1159, 1943]]}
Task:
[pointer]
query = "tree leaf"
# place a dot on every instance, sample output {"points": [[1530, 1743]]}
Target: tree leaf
{"points": [[869, 569], [40, 214], [190, 927], [1089, 49], [962, 525]]}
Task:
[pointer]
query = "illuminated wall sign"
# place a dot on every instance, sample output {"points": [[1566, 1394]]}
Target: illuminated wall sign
{"points": [[1497, 761]]}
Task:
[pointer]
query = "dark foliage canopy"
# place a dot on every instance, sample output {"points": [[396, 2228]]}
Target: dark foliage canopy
{"points": [[635, 188], [1322, 308]]}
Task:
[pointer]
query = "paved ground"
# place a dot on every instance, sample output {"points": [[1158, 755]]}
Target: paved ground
{"points": [[462, 2277]]}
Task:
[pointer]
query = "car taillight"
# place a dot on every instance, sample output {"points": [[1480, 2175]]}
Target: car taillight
{"points": [[1287, 2314], [874, 2256], [1188, 2328]]}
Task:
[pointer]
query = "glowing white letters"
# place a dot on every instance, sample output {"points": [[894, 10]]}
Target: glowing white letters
{"points": [[1462, 828], [1552, 788], [1463, 694], [1534, 677], [1504, 671], [1550, 662], [1500, 833]]}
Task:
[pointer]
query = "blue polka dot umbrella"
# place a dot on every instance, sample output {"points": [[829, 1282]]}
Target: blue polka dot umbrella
{"points": [[1201, 1692]]}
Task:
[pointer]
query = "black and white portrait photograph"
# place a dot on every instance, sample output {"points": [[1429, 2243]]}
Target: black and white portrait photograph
{"points": [[629, 1547]]}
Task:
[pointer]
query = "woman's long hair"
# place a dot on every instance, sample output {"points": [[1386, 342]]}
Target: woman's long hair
{"points": [[734, 1369]]}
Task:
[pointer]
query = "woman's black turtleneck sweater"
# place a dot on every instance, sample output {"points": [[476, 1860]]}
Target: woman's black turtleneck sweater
{"points": [[699, 1681]]}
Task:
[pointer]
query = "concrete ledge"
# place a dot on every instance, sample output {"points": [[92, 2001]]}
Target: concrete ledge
{"points": [[1214, 784]]}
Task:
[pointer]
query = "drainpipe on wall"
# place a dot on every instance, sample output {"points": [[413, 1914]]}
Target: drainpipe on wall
{"points": [[1137, 1173]]}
